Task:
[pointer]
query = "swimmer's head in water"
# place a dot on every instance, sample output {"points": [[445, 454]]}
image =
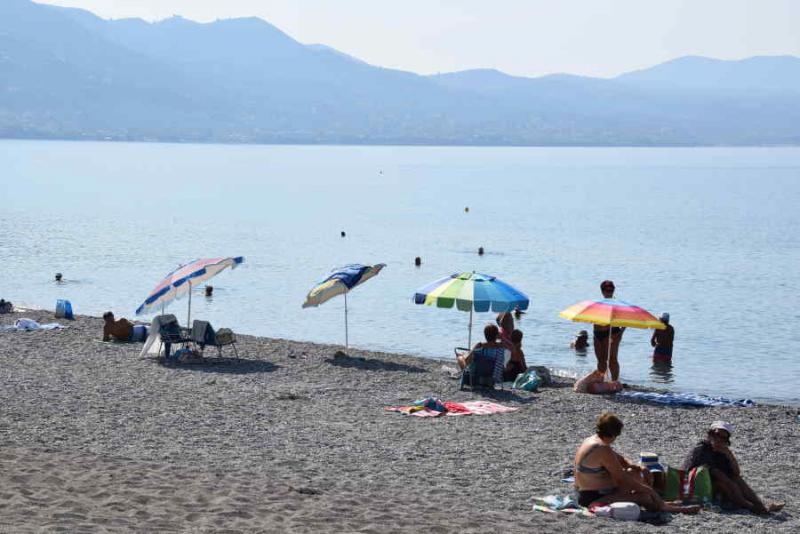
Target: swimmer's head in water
{"points": [[607, 288], [58, 277]]}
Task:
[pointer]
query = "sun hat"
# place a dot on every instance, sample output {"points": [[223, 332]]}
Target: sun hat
{"points": [[722, 425], [650, 461]]}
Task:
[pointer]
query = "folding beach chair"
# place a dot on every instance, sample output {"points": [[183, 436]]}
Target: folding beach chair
{"points": [[204, 335], [169, 332], [482, 370]]}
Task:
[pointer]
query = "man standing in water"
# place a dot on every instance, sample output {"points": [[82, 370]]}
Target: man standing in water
{"points": [[603, 335], [662, 341]]}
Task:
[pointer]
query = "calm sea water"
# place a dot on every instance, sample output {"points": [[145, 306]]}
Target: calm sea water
{"points": [[711, 235]]}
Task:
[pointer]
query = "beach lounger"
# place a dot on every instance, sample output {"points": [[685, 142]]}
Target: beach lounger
{"points": [[204, 335], [483, 369]]}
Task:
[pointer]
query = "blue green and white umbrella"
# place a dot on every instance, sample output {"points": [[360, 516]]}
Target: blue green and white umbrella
{"points": [[472, 292]]}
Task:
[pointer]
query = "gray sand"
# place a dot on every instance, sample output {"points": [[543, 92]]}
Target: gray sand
{"points": [[290, 439]]}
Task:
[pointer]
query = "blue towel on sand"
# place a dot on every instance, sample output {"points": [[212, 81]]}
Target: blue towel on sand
{"points": [[684, 399]]}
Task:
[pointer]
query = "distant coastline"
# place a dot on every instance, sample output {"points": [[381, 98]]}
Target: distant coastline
{"points": [[246, 81], [421, 144]]}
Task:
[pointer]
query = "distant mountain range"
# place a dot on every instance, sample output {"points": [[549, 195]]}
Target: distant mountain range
{"points": [[67, 74]]}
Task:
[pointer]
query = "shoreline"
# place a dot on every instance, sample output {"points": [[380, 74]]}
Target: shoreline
{"points": [[560, 372], [288, 437]]}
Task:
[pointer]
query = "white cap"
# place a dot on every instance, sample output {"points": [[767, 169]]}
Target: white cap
{"points": [[722, 425]]}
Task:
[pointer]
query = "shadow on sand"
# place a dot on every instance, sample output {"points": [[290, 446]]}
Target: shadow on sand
{"points": [[233, 366], [341, 359]]}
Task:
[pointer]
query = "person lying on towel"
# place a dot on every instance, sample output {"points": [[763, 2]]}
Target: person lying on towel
{"points": [[122, 330]]}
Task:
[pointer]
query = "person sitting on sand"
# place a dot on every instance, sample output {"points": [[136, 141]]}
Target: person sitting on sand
{"points": [[516, 364], [121, 330], [714, 452], [490, 332], [603, 335], [662, 341], [603, 477], [581, 342]]}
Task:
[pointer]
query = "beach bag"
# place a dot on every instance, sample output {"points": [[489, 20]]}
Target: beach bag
{"points": [[64, 309], [224, 336], [528, 381], [544, 374], [431, 403], [697, 485], [673, 484], [622, 511]]}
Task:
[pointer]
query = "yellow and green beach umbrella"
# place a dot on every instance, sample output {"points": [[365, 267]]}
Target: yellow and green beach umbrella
{"points": [[472, 292]]}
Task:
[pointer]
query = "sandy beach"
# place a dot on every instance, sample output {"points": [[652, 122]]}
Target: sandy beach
{"points": [[289, 438]]}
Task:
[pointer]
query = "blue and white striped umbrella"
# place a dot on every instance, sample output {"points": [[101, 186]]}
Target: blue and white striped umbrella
{"points": [[181, 281], [340, 282], [472, 291]]}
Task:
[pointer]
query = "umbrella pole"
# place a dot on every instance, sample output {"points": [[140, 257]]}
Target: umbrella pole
{"points": [[345, 321], [608, 355], [189, 313], [469, 338]]}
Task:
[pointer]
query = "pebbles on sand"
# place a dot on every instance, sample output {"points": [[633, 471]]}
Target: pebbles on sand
{"points": [[290, 437]]}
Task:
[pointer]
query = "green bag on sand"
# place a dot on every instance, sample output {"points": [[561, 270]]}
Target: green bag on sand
{"points": [[529, 381], [673, 482], [693, 486], [697, 486]]}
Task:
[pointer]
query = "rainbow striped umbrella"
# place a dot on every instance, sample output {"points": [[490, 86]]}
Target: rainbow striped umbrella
{"points": [[611, 312], [180, 282], [339, 282], [472, 292]]}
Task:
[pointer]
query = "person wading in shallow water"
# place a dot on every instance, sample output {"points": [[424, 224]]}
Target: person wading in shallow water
{"points": [[662, 341], [581, 342], [603, 335]]}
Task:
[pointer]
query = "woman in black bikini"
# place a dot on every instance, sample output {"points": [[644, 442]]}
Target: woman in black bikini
{"points": [[603, 477], [602, 333]]}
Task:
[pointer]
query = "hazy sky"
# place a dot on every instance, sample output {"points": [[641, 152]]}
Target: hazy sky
{"points": [[523, 37]]}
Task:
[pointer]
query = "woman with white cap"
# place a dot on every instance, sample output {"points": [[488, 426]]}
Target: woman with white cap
{"points": [[714, 452]]}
